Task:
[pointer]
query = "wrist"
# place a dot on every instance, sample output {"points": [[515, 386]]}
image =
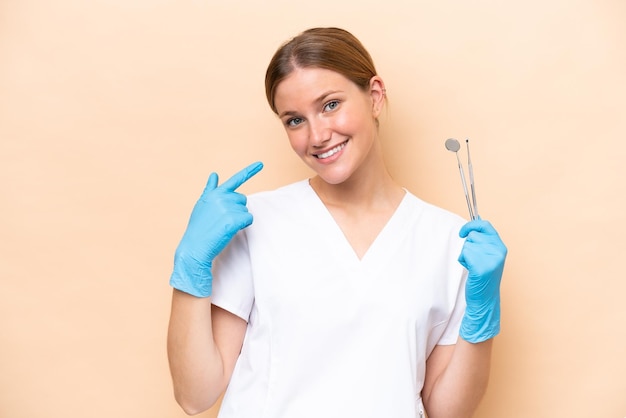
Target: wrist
{"points": [[195, 280], [481, 323]]}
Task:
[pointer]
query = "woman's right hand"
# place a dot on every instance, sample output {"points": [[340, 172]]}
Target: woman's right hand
{"points": [[217, 216]]}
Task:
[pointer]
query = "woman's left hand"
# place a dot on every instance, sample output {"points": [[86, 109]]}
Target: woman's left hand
{"points": [[483, 255]]}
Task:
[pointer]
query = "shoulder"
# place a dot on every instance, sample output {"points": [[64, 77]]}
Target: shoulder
{"points": [[434, 215], [274, 202], [289, 191]]}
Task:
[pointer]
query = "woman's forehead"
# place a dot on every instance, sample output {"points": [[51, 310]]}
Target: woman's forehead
{"points": [[309, 84]]}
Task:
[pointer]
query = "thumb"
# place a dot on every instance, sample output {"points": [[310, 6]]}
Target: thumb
{"points": [[211, 183]]}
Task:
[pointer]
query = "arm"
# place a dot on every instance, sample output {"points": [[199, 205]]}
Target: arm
{"points": [[457, 376], [204, 341], [203, 344]]}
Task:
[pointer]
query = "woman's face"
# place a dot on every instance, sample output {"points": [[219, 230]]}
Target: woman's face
{"points": [[330, 121]]}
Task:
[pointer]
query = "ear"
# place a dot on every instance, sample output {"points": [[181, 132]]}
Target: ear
{"points": [[378, 94]]}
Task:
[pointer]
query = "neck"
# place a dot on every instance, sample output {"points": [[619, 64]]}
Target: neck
{"points": [[370, 187]]}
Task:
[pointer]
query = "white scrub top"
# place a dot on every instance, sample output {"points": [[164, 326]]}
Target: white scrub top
{"points": [[329, 334]]}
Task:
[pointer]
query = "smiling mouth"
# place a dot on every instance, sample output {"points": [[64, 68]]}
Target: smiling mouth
{"points": [[331, 152]]}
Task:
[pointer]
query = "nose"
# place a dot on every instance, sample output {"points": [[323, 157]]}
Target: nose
{"points": [[319, 133]]}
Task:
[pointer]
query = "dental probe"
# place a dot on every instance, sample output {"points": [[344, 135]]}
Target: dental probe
{"points": [[471, 176]]}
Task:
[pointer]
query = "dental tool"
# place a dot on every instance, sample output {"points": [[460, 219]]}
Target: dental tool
{"points": [[454, 146], [471, 176]]}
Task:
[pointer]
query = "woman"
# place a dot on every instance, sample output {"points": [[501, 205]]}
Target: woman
{"points": [[348, 296]]}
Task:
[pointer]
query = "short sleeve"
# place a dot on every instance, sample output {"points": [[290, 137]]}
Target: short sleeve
{"points": [[451, 333], [233, 287], [454, 294]]}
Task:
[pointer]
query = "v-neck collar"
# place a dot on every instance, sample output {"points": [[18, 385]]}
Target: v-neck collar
{"points": [[388, 238]]}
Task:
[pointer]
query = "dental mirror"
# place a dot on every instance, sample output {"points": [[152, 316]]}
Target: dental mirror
{"points": [[453, 145]]}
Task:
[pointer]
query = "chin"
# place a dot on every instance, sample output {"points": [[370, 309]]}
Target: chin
{"points": [[334, 176]]}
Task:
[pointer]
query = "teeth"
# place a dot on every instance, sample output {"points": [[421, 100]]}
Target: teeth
{"points": [[332, 151]]}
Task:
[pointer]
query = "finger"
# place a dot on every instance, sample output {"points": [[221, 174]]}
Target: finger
{"points": [[478, 226], [462, 261], [479, 237], [235, 198], [241, 177], [238, 221], [245, 220], [469, 258]]}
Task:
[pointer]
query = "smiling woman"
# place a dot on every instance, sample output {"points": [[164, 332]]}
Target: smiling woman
{"points": [[377, 295], [112, 112]]}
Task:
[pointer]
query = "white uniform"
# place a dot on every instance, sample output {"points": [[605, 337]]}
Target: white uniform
{"points": [[329, 334]]}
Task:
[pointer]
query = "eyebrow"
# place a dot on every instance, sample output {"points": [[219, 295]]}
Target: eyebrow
{"points": [[319, 99]]}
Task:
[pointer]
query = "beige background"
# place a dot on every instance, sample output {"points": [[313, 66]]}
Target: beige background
{"points": [[114, 112]]}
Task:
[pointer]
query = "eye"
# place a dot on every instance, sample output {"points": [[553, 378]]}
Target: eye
{"points": [[332, 105], [292, 122]]}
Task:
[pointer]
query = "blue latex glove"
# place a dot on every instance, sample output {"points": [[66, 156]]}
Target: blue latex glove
{"points": [[217, 216], [483, 255]]}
